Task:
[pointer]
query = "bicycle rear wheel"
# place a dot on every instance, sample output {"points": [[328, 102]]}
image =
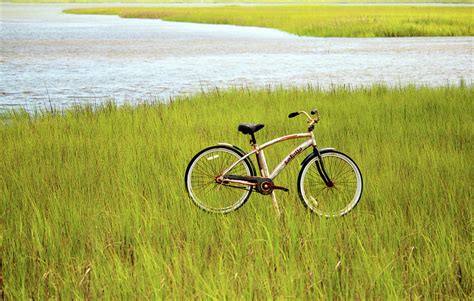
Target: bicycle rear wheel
{"points": [[333, 201], [201, 182]]}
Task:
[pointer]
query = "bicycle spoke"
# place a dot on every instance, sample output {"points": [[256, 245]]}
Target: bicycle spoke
{"points": [[331, 200], [202, 185]]}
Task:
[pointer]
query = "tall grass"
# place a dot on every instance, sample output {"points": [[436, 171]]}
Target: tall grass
{"points": [[93, 203], [322, 21], [245, 1]]}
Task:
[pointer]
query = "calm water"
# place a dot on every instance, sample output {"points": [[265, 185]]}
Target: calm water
{"points": [[73, 59]]}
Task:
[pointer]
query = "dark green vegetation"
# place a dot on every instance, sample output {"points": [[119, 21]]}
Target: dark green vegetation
{"points": [[93, 202], [322, 21]]}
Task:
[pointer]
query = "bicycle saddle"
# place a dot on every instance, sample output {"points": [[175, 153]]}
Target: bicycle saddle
{"points": [[250, 128]]}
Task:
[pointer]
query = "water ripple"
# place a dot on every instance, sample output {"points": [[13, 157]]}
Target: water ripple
{"points": [[69, 59]]}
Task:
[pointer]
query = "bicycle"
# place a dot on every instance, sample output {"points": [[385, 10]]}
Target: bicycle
{"points": [[220, 178]]}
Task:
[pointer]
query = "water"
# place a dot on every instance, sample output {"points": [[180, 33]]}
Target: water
{"points": [[47, 56]]}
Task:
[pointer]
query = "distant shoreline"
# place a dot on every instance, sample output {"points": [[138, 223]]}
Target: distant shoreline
{"points": [[316, 20], [256, 2]]}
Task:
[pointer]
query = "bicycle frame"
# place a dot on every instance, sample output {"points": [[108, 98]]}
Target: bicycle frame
{"points": [[235, 170], [262, 162]]}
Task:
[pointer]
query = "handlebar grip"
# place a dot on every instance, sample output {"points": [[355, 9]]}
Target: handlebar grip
{"points": [[314, 111], [294, 114]]}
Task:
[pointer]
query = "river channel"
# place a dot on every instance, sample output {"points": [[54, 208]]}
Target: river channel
{"points": [[50, 57]]}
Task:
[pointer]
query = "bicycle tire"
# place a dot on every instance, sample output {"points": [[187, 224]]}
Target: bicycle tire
{"points": [[200, 182], [330, 201]]}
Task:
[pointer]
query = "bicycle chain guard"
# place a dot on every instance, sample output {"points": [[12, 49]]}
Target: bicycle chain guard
{"points": [[263, 186]]}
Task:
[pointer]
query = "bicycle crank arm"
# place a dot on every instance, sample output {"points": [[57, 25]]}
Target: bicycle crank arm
{"points": [[281, 188]]}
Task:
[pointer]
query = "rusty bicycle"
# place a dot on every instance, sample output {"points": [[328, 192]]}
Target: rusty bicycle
{"points": [[220, 178]]}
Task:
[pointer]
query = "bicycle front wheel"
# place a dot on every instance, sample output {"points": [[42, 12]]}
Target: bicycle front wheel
{"points": [[202, 186], [338, 199]]}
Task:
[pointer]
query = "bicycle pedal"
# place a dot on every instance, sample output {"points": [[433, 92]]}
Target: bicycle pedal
{"points": [[281, 188]]}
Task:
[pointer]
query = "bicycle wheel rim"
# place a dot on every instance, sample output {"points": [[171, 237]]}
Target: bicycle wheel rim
{"points": [[331, 201], [205, 192]]}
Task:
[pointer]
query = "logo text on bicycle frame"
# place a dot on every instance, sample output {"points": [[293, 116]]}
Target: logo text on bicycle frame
{"points": [[294, 154]]}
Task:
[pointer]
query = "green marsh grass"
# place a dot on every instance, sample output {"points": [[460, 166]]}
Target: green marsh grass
{"points": [[93, 204], [243, 2], [321, 21]]}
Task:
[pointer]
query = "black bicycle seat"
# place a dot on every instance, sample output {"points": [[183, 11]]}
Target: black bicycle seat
{"points": [[250, 128]]}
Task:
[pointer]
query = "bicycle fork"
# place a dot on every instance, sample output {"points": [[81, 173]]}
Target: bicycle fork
{"points": [[321, 170]]}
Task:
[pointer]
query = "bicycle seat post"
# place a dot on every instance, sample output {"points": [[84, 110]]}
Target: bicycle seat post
{"points": [[253, 142]]}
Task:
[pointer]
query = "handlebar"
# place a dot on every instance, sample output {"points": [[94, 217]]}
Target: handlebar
{"points": [[311, 120]]}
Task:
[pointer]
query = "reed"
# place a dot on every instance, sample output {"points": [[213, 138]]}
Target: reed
{"points": [[244, 2]]}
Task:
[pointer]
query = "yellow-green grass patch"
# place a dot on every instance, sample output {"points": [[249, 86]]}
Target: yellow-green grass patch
{"points": [[321, 21], [93, 204]]}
